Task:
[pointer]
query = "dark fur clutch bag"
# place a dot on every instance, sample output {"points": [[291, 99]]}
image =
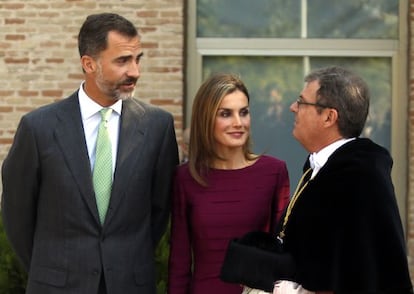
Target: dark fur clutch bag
{"points": [[257, 260]]}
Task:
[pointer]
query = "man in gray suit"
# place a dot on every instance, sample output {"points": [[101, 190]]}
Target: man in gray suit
{"points": [[49, 207]]}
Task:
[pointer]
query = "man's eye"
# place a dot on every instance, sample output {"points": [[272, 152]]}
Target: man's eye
{"points": [[121, 61]]}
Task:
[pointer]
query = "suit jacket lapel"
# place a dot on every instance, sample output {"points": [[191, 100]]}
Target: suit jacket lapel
{"points": [[131, 137], [71, 139]]}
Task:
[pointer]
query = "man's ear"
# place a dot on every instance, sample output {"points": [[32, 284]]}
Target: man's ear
{"points": [[88, 64], [331, 116]]}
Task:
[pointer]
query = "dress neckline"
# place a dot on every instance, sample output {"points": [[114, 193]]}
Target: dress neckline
{"points": [[238, 169]]}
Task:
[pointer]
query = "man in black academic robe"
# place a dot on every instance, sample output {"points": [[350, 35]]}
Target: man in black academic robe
{"points": [[343, 228]]}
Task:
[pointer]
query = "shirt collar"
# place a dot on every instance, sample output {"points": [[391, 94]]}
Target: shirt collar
{"points": [[318, 159], [89, 107]]}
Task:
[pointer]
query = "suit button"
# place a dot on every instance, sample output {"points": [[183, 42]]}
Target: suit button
{"points": [[95, 272]]}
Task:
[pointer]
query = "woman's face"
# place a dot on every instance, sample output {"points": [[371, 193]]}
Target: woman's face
{"points": [[232, 122]]}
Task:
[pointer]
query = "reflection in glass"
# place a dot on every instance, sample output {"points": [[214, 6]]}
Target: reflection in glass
{"points": [[367, 19], [248, 19], [275, 82], [353, 19]]}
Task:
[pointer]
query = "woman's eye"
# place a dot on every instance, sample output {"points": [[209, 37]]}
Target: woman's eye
{"points": [[244, 112], [224, 113]]}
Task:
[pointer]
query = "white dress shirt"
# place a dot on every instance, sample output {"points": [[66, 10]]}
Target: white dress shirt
{"points": [[91, 118], [318, 159]]}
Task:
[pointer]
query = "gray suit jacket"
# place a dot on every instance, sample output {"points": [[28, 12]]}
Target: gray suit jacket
{"points": [[49, 208]]}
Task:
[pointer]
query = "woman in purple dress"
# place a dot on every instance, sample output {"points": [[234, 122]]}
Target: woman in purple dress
{"points": [[223, 191]]}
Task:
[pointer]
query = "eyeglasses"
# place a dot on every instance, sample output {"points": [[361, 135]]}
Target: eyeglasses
{"points": [[299, 101]]}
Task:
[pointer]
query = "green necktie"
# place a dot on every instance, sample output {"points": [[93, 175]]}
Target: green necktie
{"points": [[102, 171]]}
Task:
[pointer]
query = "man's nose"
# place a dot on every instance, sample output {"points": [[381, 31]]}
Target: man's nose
{"points": [[294, 107], [134, 70]]}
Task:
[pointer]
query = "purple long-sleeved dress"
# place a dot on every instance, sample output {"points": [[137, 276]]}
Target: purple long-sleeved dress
{"points": [[204, 219]]}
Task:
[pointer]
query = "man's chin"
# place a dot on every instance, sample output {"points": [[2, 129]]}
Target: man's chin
{"points": [[125, 95]]}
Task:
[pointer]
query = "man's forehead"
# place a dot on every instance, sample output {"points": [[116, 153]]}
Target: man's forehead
{"points": [[312, 85], [122, 42]]}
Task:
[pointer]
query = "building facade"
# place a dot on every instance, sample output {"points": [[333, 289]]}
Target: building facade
{"points": [[39, 64]]}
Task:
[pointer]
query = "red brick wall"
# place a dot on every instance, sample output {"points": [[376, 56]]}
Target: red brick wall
{"points": [[410, 141], [39, 61]]}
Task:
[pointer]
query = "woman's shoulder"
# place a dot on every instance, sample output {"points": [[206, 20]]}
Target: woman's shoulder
{"points": [[183, 169], [270, 160], [269, 165]]}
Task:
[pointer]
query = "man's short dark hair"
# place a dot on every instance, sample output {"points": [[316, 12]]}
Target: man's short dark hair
{"points": [[93, 35]]}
